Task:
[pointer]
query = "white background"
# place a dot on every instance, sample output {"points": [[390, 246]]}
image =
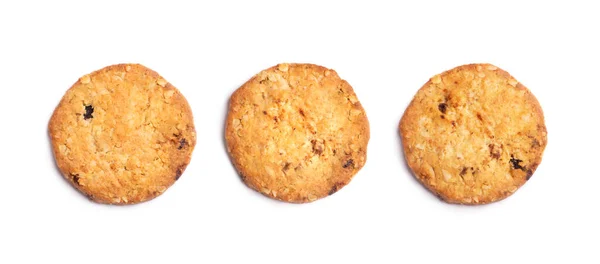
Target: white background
{"points": [[386, 50]]}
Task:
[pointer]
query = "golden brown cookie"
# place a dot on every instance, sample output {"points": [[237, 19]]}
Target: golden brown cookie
{"points": [[296, 132], [122, 134], [473, 134]]}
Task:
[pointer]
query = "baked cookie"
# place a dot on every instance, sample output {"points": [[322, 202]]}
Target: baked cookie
{"points": [[473, 134], [122, 134], [296, 132]]}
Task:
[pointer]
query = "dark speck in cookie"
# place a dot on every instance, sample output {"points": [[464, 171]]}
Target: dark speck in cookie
{"points": [[182, 143], [349, 163], [516, 163], [442, 107], [75, 178], [89, 109]]}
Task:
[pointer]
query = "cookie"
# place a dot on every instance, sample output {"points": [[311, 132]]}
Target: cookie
{"points": [[473, 134], [122, 134], [296, 132]]}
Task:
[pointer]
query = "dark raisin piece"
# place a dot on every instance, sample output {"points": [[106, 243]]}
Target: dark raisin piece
{"points": [[349, 163], [182, 143], [479, 117], [463, 171], [453, 124], [529, 174], [516, 163], [318, 150], [178, 173], [302, 113], [336, 187], [442, 107], [264, 81], [89, 109], [442, 116], [264, 112], [75, 178], [286, 167]]}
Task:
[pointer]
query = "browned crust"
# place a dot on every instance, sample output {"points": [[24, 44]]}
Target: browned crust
{"points": [[320, 182], [407, 127], [110, 185]]}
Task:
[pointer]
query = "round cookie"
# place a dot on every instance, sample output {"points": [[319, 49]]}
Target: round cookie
{"points": [[296, 132], [473, 134], [122, 134]]}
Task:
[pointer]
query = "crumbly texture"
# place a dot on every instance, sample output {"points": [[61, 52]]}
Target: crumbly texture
{"points": [[297, 132], [122, 134], [473, 134]]}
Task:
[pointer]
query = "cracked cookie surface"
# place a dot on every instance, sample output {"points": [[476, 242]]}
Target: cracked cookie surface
{"points": [[473, 134], [296, 132], [122, 134]]}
